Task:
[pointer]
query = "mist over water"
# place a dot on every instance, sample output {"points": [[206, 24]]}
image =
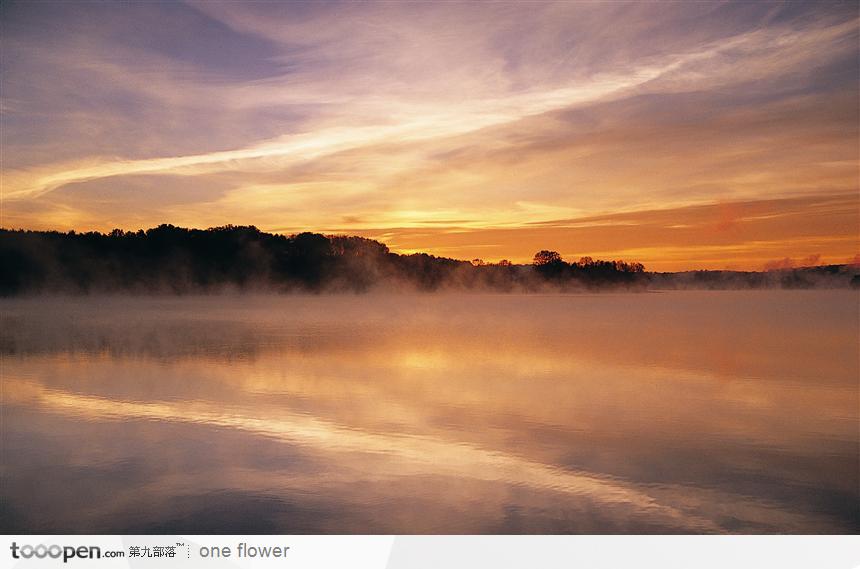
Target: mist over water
{"points": [[686, 411]]}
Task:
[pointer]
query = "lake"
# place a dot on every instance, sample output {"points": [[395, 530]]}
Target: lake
{"points": [[688, 411]]}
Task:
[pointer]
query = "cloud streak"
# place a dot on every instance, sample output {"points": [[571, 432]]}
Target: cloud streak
{"points": [[413, 125], [305, 116]]}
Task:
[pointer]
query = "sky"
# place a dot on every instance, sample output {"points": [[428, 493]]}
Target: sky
{"points": [[681, 135]]}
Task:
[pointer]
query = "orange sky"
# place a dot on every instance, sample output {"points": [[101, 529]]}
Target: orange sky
{"points": [[684, 136]]}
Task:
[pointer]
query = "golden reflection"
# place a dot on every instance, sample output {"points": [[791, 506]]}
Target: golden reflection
{"points": [[408, 454], [659, 409]]}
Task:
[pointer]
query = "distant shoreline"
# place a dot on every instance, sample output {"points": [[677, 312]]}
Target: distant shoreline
{"points": [[244, 260]]}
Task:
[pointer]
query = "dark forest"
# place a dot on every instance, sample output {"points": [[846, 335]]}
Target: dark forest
{"points": [[175, 260]]}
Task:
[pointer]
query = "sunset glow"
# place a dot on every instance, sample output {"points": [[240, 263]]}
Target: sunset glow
{"points": [[683, 136]]}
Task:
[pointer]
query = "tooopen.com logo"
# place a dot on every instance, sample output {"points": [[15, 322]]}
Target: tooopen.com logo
{"points": [[65, 552]]}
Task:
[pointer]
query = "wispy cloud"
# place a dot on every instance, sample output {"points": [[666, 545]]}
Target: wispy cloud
{"points": [[501, 119], [407, 124]]}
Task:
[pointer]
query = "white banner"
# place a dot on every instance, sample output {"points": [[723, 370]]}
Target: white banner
{"points": [[432, 552]]}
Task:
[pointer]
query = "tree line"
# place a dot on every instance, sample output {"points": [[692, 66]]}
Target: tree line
{"points": [[180, 260]]}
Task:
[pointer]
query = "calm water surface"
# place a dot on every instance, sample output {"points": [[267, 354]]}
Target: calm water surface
{"points": [[659, 412]]}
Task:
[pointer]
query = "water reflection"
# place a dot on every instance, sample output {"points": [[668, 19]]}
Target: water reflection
{"points": [[681, 412]]}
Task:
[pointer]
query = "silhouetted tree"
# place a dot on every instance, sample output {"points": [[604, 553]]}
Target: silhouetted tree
{"points": [[545, 257]]}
